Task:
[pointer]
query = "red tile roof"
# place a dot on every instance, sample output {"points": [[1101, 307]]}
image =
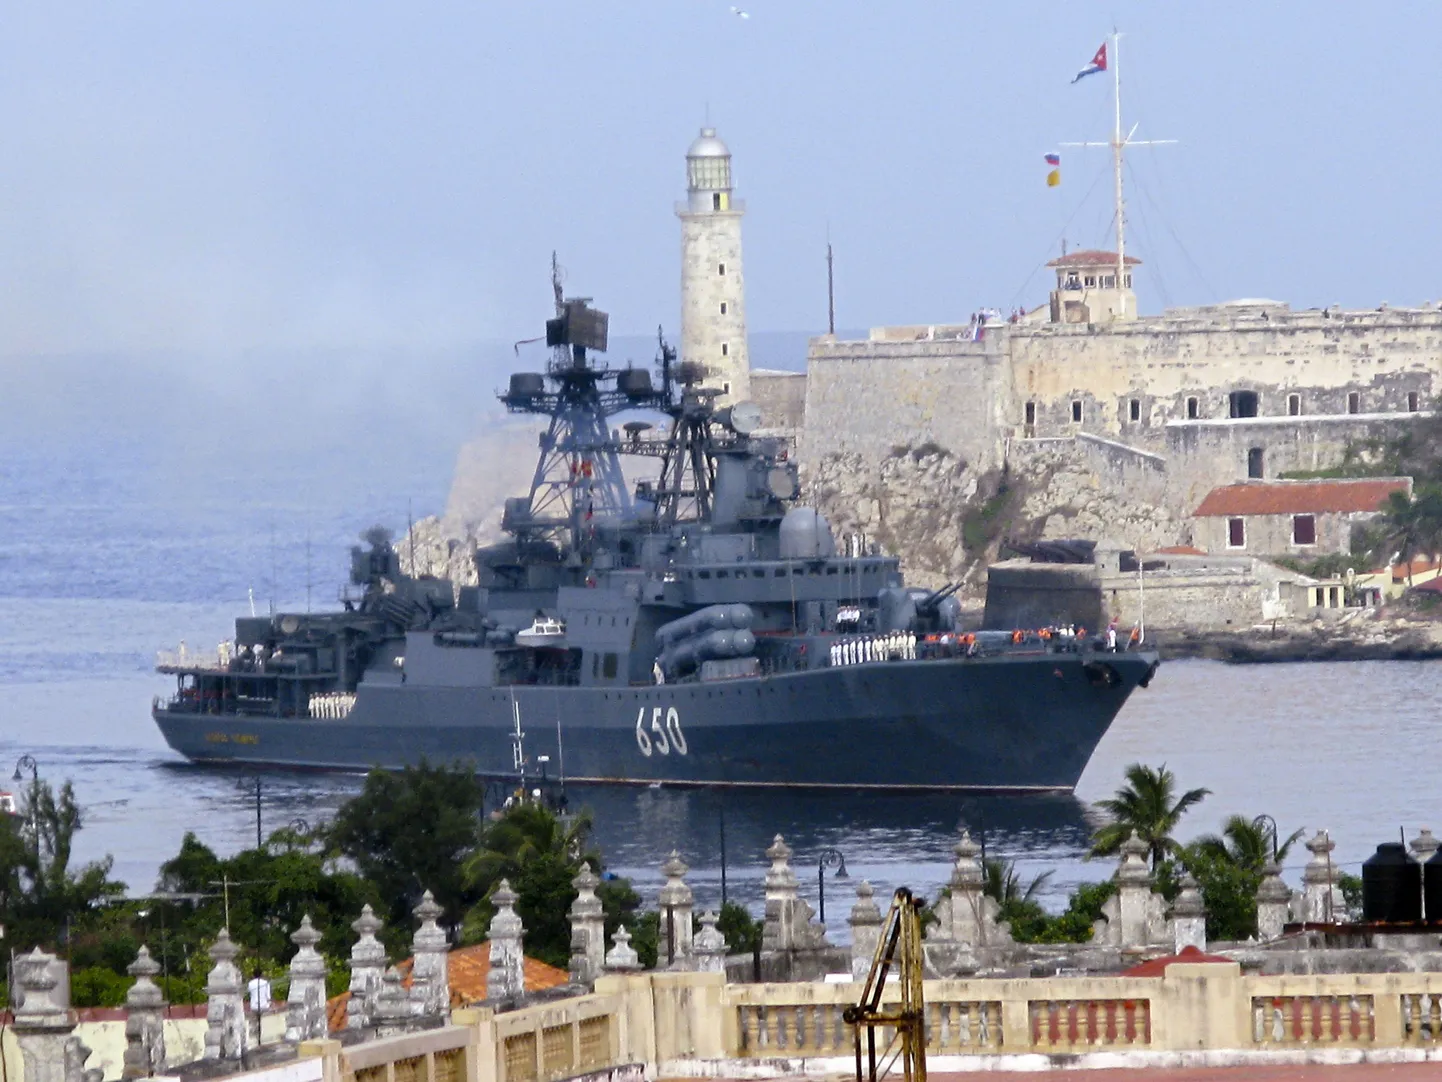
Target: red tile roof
{"points": [[1300, 497], [1157, 967], [467, 969], [1091, 257]]}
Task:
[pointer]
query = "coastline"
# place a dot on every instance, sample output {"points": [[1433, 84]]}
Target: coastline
{"points": [[1378, 639]]}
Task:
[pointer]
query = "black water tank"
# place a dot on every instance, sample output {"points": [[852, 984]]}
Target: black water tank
{"points": [[1391, 885], [634, 382], [1432, 887], [526, 384]]}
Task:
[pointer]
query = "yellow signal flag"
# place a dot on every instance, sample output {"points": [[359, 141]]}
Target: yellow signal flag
{"points": [[1053, 178]]}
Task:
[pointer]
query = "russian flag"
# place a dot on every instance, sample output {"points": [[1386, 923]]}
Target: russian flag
{"points": [[1099, 63], [1053, 159]]}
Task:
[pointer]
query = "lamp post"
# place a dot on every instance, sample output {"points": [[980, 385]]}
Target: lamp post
{"points": [[1272, 829], [22, 764], [830, 857], [253, 782]]}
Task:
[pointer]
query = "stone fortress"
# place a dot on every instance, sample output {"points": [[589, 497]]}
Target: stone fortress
{"points": [[1080, 418], [1083, 419]]}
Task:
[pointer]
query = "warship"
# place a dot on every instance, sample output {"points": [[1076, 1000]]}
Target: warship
{"points": [[700, 628]]}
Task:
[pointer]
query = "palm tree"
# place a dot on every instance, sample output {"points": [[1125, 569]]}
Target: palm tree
{"points": [[1145, 805], [1246, 843], [1003, 882], [527, 833]]}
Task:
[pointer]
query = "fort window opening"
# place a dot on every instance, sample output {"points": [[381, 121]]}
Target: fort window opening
{"points": [[715, 200], [725, 349], [1354, 402], [1030, 416], [1412, 402], [720, 268], [1304, 530], [1242, 403], [1294, 405], [1134, 409], [725, 388], [723, 308], [1254, 463], [1236, 533], [1076, 410], [1193, 409]]}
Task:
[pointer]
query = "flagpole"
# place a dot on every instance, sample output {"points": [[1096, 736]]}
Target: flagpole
{"points": [[1116, 59]]}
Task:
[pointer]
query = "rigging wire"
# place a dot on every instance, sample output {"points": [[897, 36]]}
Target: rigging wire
{"points": [[1061, 234], [1153, 265], [1186, 254]]}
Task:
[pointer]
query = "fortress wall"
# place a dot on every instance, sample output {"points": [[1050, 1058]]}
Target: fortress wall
{"points": [[867, 398], [1204, 454], [781, 397], [1163, 362]]}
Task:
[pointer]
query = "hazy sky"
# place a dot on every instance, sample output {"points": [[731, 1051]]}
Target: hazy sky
{"points": [[213, 176]]}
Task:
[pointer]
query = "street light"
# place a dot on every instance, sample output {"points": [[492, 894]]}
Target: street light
{"points": [[24, 763], [245, 785], [1272, 825], [830, 857]]}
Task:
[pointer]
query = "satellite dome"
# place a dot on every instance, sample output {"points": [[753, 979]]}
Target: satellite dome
{"points": [[708, 145]]}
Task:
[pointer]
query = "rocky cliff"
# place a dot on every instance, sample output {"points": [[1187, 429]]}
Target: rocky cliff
{"points": [[947, 521]]}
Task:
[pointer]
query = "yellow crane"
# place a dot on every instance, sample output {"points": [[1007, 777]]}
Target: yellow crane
{"points": [[899, 945]]}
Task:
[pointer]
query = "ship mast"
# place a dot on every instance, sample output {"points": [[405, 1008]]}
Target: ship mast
{"points": [[1118, 144]]}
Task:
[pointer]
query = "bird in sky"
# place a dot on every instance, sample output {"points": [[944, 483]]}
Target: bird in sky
{"points": [[740, 14]]}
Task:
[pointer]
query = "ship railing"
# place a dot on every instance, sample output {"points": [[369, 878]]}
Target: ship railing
{"points": [[182, 657]]}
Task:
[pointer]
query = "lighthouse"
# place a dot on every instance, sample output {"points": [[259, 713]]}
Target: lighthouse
{"points": [[713, 289]]}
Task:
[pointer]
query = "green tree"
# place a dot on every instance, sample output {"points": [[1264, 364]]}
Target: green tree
{"points": [[412, 831], [741, 929], [1228, 867], [44, 897], [1148, 806], [539, 853], [267, 892]]}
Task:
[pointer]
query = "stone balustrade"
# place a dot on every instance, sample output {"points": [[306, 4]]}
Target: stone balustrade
{"points": [[693, 1024]]}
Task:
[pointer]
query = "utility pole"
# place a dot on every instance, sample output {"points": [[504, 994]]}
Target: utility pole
{"points": [[830, 292]]}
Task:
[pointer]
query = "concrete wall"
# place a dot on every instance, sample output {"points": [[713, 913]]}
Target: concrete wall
{"points": [[1271, 535], [1189, 592]]}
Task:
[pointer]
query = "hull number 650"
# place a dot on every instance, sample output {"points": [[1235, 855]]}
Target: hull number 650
{"points": [[664, 732]]}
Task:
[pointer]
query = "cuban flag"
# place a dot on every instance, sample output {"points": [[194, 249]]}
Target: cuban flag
{"points": [[1099, 63]]}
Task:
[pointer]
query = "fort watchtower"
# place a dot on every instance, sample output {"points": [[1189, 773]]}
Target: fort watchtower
{"points": [[1087, 290]]}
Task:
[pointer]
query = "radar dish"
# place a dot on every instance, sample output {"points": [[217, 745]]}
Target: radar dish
{"points": [[289, 624], [780, 483], [745, 418]]}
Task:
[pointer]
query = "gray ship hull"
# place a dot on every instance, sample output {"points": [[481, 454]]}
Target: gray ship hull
{"points": [[1024, 722]]}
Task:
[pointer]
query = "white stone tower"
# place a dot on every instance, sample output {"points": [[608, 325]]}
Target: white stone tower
{"points": [[713, 289]]}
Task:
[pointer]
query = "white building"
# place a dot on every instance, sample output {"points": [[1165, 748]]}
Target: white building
{"points": [[713, 288]]}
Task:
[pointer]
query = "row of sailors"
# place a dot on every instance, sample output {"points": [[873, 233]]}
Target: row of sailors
{"points": [[333, 705], [899, 644]]}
